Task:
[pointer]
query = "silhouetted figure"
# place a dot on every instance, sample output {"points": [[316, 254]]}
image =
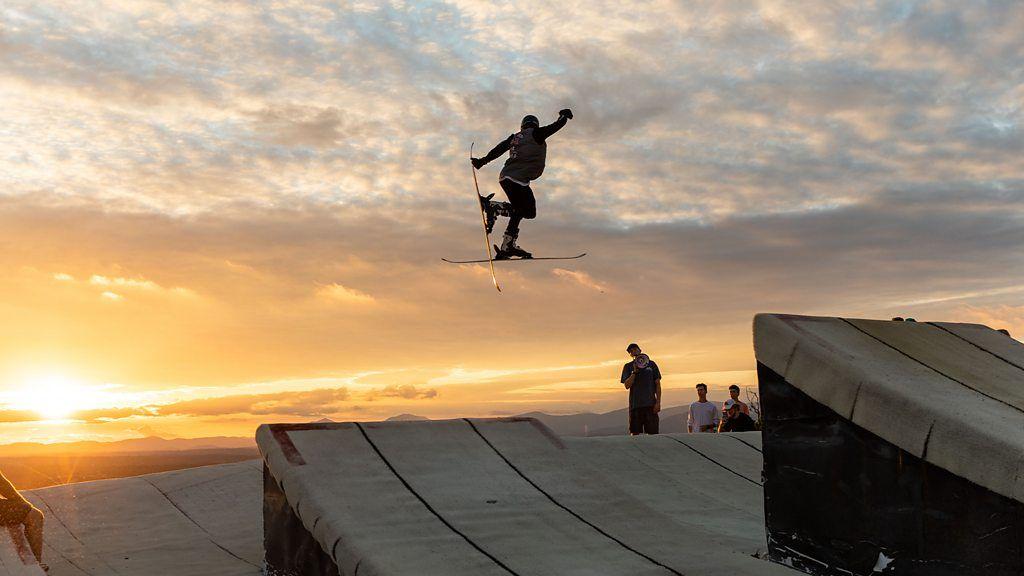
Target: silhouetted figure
{"points": [[735, 420], [642, 378], [527, 154]]}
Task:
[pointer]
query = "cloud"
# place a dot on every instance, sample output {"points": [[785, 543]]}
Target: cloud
{"points": [[319, 402], [107, 284], [10, 416], [406, 391], [123, 282], [581, 278], [107, 414], [338, 293]]}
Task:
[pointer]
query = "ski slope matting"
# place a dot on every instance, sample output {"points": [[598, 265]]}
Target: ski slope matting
{"points": [[200, 521], [507, 496]]}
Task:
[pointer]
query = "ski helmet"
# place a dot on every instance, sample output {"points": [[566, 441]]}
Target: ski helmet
{"points": [[529, 120]]}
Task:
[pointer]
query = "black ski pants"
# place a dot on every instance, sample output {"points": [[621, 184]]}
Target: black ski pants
{"points": [[524, 205]]}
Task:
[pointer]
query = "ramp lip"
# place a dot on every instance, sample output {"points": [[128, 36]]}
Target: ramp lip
{"points": [[936, 370], [918, 397], [536, 423]]}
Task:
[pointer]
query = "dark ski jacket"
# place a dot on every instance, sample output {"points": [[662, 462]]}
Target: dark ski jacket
{"points": [[527, 152]]}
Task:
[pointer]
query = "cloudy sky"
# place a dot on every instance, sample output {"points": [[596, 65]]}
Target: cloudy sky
{"points": [[215, 214]]}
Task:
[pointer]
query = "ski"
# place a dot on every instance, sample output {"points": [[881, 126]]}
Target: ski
{"points": [[515, 259], [483, 216]]}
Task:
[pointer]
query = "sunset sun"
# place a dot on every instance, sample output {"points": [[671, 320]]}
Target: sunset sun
{"points": [[53, 396]]}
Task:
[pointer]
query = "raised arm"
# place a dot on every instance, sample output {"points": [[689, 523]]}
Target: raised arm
{"points": [[542, 133], [495, 152]]}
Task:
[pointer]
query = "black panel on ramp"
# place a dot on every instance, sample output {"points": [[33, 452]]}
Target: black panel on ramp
{"points": [[838, 496]]}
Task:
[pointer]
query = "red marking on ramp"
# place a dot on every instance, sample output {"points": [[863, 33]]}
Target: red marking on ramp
{"points": [[288, 448], [547, 432]]}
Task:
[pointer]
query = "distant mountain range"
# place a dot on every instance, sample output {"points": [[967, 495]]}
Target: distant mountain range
{"points": [[673, 419], [614, 423], [135, 445], [406, 418]]}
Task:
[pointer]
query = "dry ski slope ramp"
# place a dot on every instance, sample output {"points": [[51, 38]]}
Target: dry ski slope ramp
{"points": [[517, 494], [196, 522], [507, 496]]}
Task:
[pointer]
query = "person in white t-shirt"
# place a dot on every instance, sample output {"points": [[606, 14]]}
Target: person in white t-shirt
{"points": [[704, 416]]}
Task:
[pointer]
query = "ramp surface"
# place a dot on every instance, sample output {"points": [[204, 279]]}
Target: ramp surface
{"points": [[507, 496], [195, 522], [452, 497]]}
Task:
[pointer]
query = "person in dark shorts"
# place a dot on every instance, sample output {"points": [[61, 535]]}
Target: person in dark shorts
{"points": [[527, 153], [643, 380], [735, 420], [16, 511]]}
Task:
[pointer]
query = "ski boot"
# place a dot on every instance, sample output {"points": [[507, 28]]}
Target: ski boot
{"points": [[519, 252], [490, 210], [511, 252]]}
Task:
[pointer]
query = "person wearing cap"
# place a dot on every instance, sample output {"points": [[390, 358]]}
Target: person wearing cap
{"points": [[703, 415], [527, 153], [642, 377], [734, 394], [15, 511], [735, 420]]}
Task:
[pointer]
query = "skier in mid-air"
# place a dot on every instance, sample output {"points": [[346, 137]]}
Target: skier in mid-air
{"points": [[527, 151]]}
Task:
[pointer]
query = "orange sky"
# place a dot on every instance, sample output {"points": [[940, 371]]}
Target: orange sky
{"points": [[220, 215]]}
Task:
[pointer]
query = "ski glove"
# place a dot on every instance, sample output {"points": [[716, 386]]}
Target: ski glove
{"points": [[566, 112], [477, 162]]}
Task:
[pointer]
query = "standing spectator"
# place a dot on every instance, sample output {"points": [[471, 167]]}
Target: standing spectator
{"points": [[734, 394], [735, 420], [642, 378], [703, 414], [16, 511]]}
